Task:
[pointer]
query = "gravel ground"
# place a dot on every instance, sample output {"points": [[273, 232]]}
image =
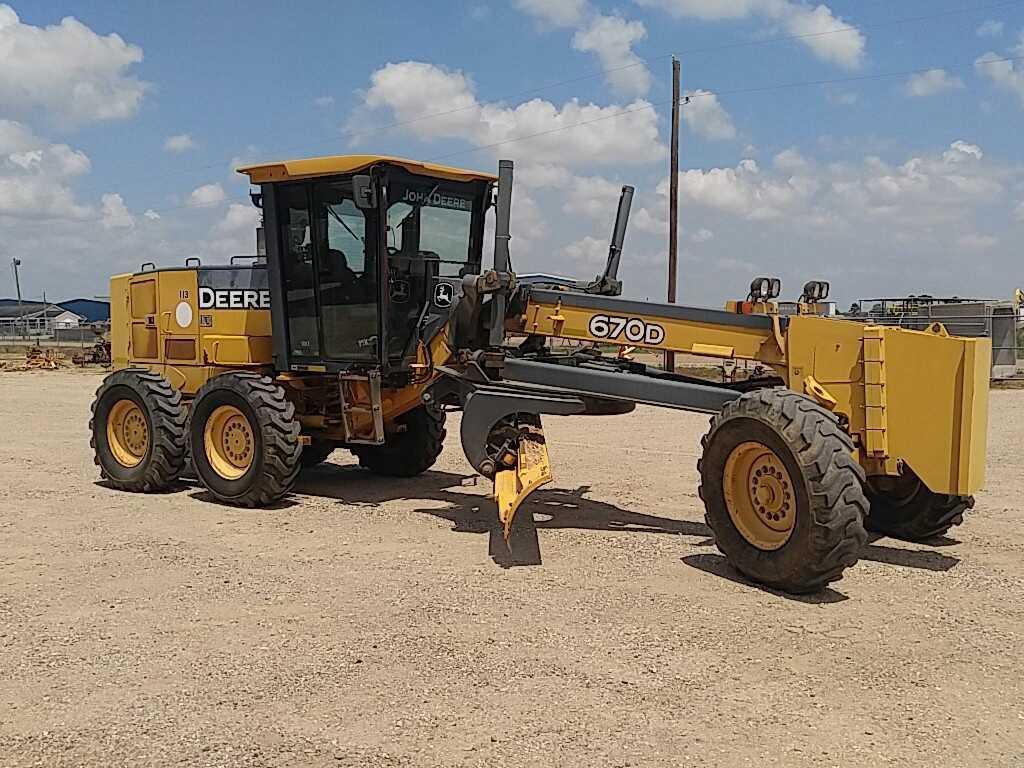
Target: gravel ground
{"points": [[364, 624]]}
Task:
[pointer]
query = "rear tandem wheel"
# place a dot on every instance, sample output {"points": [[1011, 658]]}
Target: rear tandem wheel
{"points": [[138, 431], [782, 492], [244, 439]]}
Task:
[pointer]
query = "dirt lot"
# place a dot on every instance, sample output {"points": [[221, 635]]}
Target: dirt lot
{"points": [[364, 624]]}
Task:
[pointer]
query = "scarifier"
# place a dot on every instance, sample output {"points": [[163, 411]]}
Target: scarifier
{"points": [[370, 315]]}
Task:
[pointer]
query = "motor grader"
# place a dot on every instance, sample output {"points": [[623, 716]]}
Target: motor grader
{"points": [[370, 315]]}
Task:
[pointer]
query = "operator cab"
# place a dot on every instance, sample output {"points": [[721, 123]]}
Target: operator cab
{"points": [[366, 256]]}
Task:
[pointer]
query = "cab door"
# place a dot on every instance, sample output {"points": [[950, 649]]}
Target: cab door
{"points": [[347, 274]]}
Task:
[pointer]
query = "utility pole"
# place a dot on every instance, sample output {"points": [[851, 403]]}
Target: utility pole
{"points": [[17, 286], [673, 203]]}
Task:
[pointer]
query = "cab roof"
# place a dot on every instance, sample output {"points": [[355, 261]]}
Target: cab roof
{"points": [[290, 170]]}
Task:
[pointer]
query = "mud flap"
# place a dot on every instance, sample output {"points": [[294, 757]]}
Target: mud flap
{"points": [[532, 469]]}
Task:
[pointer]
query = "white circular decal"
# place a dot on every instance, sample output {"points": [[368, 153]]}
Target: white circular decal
{"points": [[183, 314]]}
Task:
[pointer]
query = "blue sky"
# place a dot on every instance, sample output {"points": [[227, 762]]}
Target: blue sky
{"points": [[118, 150]]}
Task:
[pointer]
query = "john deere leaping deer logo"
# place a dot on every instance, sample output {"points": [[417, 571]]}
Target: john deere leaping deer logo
{"points": [[444, 295]]}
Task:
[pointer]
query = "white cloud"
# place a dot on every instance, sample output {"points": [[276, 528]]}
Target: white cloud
{"points": [[208, 194], [825, 34], [586, 255], [702, 236], [239, 217], [612, 38], [991, 29], [151, 215], [233, 234], [649, 222], [36, 176], [790, 160], [960, 151], [706, 117], [532, 175], [179, 143], [114, 213], [15, 137], [1008, 75], [977, 242], [558, 13], [324, 101], [744, 191], [1018, 213], [573, 134], [869, 227], [932, 82], [68, 70], [926, 192], [593, 197], [820, 29]]}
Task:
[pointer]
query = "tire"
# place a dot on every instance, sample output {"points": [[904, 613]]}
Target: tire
{"points": [[906, 509], [316, 453], [409, 452], [803, 464], [244, 439], [138, 431]]}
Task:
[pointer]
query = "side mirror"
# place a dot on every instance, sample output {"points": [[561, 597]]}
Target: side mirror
{"points": [[364, 192]]}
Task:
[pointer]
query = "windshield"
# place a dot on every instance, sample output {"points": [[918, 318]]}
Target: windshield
{"points": [[431, 220]]}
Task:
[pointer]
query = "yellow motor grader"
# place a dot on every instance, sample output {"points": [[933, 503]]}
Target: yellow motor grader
{"points": [[370, 315]]}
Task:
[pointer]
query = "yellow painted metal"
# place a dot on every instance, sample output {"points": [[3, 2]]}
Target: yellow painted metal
{"points": [[916, 397], [759, 495], [156, 323], [532, 470], [127, 433], [120, 320], [814, 390], [708, 339], [394, 402], [913, 397], [228, 442], [876, 437], [288, 170]]}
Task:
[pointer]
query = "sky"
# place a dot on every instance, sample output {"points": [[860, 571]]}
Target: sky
{"points": [[873, 144]]}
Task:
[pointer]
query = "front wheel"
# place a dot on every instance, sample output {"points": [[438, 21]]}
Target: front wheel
{"points": [[412, 449], [245, 439], [782, 492]]}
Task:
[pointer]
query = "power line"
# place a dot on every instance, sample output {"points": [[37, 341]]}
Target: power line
{"points": [[602, 73], [739, 91], [852, 28], [651, 106]]}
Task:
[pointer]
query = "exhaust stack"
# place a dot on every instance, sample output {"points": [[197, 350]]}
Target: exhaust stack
{"points": [[502, 259]]}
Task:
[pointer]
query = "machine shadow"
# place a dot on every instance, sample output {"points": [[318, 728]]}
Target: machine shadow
{"points": [[555, 507], [717, 565], [470, 513], [924, 559]]}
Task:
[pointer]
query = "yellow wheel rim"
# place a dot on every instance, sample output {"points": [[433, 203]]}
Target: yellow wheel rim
{"points": [[127, 433], [759, 495], [229, 442]]}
